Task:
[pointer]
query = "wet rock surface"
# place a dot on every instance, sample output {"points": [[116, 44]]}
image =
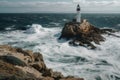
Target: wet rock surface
{"points": [[19, 64], [82, 34]]}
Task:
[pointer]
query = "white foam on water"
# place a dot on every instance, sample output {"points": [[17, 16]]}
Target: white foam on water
{"points": [[118, 24], [10, 27], [65, 19], [53, 23], [35, 28], [100, 64]]}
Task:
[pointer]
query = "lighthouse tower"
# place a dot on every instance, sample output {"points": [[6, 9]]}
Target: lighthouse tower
{"points": [[78, 17]]}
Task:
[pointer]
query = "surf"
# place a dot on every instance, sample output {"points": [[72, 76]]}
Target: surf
{"points": [[100, 64]]}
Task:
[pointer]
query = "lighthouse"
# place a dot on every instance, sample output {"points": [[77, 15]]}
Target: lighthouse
{"points": [[78, 17]]}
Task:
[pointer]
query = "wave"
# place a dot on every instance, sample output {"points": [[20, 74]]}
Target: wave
{"points": [[35, 28], [54, 23]]}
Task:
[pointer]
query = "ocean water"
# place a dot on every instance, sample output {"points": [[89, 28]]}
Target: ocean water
{"points": [[40, 32]]}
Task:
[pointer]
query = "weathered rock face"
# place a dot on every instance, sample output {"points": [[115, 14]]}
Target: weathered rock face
{"points": [[83, 34], [19, 64], [10, 72]]}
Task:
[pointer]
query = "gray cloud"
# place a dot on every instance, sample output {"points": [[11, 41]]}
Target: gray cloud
{"points": [[60, 6]]}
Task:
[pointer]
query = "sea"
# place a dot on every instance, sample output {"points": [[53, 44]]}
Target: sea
{"points": [[40, 32]]}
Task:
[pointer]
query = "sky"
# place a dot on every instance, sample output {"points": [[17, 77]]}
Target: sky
{"points": [[59, 6]]}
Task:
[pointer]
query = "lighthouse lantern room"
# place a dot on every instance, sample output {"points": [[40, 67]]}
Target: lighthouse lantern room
{"points": [[78, 17]]}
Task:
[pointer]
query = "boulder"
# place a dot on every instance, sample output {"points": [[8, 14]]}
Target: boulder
{"points": [[12, 60]]}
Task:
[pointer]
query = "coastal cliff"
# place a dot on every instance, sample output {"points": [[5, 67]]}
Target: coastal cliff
{"points": [[19, 64], [82, 34]]}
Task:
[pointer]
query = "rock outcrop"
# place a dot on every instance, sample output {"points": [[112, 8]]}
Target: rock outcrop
{"points": [[19, 64], [83, 34]]}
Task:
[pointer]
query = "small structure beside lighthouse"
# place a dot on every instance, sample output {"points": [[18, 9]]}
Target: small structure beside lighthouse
{"points": [[78, 17]]}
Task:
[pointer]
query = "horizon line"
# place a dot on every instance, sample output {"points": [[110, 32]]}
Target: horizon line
{"points": [[58, 13]]}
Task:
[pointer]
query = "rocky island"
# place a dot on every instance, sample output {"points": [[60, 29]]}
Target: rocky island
{"points": [[19, 64], [83, 33]]}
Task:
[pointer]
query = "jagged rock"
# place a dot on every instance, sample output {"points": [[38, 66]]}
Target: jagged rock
{"points": [[82, 34], [69, 30], [19, 64], [38, 63], [40, 66], [10, 72], [26, 53], [107, 30], [47, 72], [37, 57], [57, 75]]}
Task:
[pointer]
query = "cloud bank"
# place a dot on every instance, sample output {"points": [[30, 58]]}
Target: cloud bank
{"points": [[88, 6]]}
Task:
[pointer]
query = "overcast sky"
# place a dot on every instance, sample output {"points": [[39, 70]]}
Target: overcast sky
{"points": [[53, 6]]}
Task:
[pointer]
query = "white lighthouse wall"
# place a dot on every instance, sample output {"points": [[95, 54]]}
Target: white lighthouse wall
{"points": [[78, 16]]}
